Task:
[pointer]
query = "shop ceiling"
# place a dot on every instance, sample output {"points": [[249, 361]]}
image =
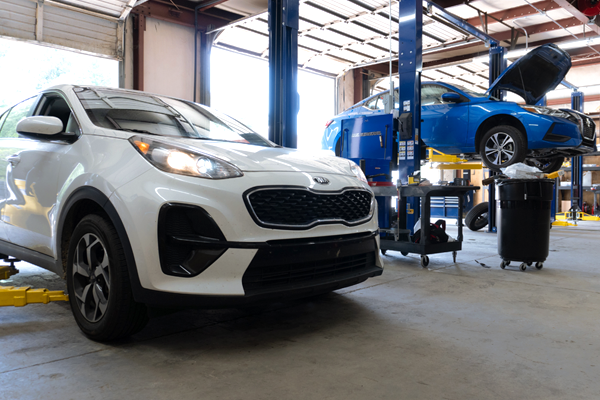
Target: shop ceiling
{"points": [[339, 35], [335, 36]]}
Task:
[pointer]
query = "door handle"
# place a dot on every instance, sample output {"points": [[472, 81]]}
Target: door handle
{"points": [[14, 159]]}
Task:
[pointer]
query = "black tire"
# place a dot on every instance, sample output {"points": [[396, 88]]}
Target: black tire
{"points": [[502, 146], [546, 165], [101, 297], [477, 217]]}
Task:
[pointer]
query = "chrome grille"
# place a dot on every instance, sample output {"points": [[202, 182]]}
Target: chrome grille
{"points": [[302, 208], [589, 128]]}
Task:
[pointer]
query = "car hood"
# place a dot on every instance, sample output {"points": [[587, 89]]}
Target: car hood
{"points": [[535, 74], [251, 158]]}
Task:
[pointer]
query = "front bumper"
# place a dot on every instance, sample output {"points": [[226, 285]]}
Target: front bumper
{"points": [[243, 242], [284, 269]]}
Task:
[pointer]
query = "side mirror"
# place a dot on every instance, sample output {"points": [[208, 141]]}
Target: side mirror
{"points": [[40, 126], [451, 97]]}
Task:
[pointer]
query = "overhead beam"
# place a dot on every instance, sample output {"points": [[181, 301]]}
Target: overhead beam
{"points": [[205, 5], [540, 28], [517, 12], [450, 3], [577, 14]]}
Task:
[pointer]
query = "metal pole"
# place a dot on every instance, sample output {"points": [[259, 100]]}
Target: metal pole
{"points": [[283, 71], [497, 66]]}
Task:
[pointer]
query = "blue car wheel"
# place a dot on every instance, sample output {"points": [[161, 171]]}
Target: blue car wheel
{"points": [[502, 146]]}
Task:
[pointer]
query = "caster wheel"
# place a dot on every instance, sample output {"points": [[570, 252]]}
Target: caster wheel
{"points": [[503, 264], [539, 265], [523, 266], [529, 264], [404, 253], [383, 251], [424, 261], [454, 256]]}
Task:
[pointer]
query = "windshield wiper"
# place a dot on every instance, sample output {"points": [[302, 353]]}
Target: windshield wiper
{"points": [[136, 131]]}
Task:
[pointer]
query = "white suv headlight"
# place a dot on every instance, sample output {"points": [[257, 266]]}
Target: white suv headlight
{"points": [[357, 172], [179, 160]]}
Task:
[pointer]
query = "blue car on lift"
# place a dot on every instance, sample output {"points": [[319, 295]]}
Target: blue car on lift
{"points": [[456, 120]]}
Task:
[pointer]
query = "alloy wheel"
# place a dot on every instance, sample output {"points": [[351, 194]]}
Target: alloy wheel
{"points": [[91, 277], [500, 148]]}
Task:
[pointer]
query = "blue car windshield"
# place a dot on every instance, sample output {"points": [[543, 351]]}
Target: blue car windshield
{"points": [[162, 116], [469, 91]]}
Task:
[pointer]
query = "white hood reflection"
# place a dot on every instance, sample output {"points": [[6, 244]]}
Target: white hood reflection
{"points": [[251, 158]]}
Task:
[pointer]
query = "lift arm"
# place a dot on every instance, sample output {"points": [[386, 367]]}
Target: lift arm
{"points": [[21, 296]]}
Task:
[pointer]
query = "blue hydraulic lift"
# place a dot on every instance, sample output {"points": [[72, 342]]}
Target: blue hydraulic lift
{"points": [[283, 71], [576, 162], [409, 125]]}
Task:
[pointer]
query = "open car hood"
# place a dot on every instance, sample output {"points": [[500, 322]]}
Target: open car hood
{"points": [[535, 74]]}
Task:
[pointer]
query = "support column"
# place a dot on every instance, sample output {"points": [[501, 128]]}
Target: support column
{"points": [[202, 74], [576, 164], [139, 27], [283, 72], [410, 66], [497, 66]]}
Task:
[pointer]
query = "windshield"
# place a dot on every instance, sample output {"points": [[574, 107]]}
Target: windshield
{"points": [[469, 91], [162, 116]]}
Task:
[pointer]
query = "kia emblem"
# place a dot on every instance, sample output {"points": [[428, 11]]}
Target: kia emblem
{"points": [[320, 180]]}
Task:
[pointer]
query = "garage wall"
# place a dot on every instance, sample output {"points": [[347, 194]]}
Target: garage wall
{"points": [[345, 92], [17, 19], [169, 59], [48, 24]]}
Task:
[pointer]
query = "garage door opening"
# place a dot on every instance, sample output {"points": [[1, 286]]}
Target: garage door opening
{"points": [[27, 68], [240, 88]]}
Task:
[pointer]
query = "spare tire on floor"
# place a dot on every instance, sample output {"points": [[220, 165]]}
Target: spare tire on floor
{"points": [[477, 218]]}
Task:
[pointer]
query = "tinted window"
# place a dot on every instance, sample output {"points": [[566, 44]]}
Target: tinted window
{"points": [[432, 94], [17, 113], [162, 116], [376, 103]]}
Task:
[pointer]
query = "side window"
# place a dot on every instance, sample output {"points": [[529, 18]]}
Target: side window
{"points": [[18, 112], [372, 104], [55, 106], [432, 94]]}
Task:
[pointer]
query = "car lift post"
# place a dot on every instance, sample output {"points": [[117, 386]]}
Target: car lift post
{"points": [[410, 65], [576, 165], [283, 71], [497, 66]]}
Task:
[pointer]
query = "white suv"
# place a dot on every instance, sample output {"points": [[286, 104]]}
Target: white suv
{"points": [[139, 199]]}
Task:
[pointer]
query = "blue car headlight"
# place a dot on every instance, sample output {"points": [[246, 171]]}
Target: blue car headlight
{"points": [[546, 111]]}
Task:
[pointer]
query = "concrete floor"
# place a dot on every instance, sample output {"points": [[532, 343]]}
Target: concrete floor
{"points": [[452, 331]]}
